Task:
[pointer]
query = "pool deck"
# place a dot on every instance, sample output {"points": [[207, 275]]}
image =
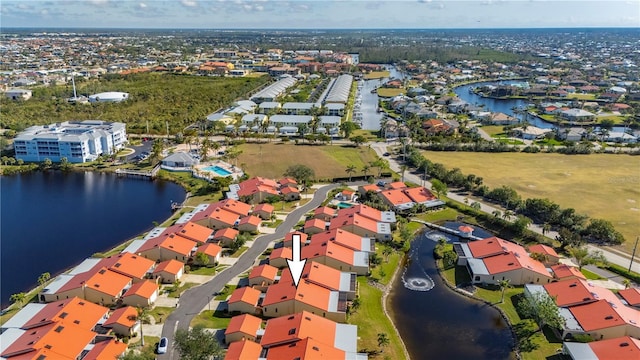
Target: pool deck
{"points": [[200, 171]]}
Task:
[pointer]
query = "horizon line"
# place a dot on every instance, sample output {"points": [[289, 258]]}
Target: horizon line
{"points": [[315, 29]]}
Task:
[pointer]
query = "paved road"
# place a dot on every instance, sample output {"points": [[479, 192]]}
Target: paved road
{"points": [[195, 299], [612, 255]]}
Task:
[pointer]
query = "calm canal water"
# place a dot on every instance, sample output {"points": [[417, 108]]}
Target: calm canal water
{"points": [[51, 221], [435, 322]]}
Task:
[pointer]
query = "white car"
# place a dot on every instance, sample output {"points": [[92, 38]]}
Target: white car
{"points": [[163, 345]]}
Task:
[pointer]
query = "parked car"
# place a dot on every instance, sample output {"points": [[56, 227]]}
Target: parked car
{"points": [[163, 345]]}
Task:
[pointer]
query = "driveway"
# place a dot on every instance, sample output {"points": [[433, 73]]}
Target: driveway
{"points": [[613, 256], [195, 299]]}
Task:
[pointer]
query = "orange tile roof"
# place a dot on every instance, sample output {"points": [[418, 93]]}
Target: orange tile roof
{"points": [[341, 237], [501, 263], [419, 194], [292, 328], [108, 282], [396, 185], [543, 249], [178, 244], [289, 190], [83, 313], [562, 271], [364, 210], [631, 296], [243, 350], [287, 181], [224, 216], [324, 210], [144, 289], [356, 220], [265, 270], [329, 249], [170, 266], [264, 207], [370, 187], [307, 293], [246, 294], [315, 223], [596, 315], [235, 206], [128, 264], [227, 233], [281, 253], [277, 293], [318, 274], [570, 292], [209, 249], [395, 197], [191, 231], [289, 236], [619, 348], [125, 316], [307, 349], [487, 247], [245, 323], [78, 281], [62, 340], [106, 350], [251, 220]]}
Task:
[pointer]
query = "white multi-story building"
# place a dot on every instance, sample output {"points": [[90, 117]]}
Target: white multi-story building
{"points": [[78, 141]]}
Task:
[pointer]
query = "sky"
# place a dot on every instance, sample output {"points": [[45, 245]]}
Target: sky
{"points": [[319, 14]]}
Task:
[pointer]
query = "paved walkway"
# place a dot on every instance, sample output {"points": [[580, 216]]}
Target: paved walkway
{"points": [[612, 255], [194, 300]]}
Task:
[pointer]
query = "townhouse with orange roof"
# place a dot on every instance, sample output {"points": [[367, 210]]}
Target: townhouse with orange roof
{"points": [[255, 190], [284, 298], [60, 340], [262, 276], [221, 218], [324, 213], [243, 327], [364, 189], [290, 193], [326, 253], [631, 297], [288, 238], [564, 272], [249, 224], [212, 251], [190, 230], [396, 199], [123, 321], [314, 226], [106, 287], [422, 195], [306, 349], [361, 225], [106, 350], [493, 259], [551, 257], [141, 294], [619, 348], [169, 271], [263, 211], [243, 350], [590, 310], [328, 277], [134, 266], [171, 247], [245, 300], [370, 213], [278, 257], [345, 238], [226, 236]]}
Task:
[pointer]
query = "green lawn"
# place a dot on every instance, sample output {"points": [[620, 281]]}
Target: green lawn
{"points": [[590, 275], [437, 216], [175, 292], [493, 130], [388, 265], [211, 319], [376, 75], [226, 291], [371, 320], [581, 96], [583, 182], [160, 313], [390, 92], [239, 252], [206, 270]]}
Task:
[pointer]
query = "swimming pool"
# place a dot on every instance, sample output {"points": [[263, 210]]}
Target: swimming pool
{"points": [[218, 170], [344, 205]]}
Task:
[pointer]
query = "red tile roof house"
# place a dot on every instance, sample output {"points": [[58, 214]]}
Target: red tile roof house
{"points": [[397, 200], [363, 189], [192, 231], [263, 211], [631, 296], [123, 321], [249, 224], [257, 190], [165, 248], [370, 213], [338, 257], [285, 299], [243, 350], [493, 259], [106, 287], [286, 330], [363, 226], [244, 300], [134, 266], [290, 193], [346, 195], [242, 327], [550, 254], [314, 226], [327, 277], [346, 239], [324, 213], [212, 251], [60, 340], [262, 276], [288, 238], [220, 219], [169, 271], [278, 257], [306, 349], [421, 195], [619, 348], [288, 182], [142, 294], [226, 236], [563, 272]]}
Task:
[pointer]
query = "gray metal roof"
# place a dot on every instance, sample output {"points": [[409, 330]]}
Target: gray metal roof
{"points": [[477, 266], [334, 296], [346, 337], [360, 258], [276, 89], [180, 156], [23, 316], [297, 119], [297, 105], [340, 89], [84, 266], [345, 281], [329, 120], [579, 351], [134, 246], [57, 283]]}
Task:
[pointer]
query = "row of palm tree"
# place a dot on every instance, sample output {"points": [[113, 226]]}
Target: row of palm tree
{"points": [[379, 163]]}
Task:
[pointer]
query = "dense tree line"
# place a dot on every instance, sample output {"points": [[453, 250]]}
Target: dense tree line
{"points": [[573, 228], [155, 101]]}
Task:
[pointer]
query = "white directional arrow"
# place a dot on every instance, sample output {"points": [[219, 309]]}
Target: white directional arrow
{"points": [[296, 265]]}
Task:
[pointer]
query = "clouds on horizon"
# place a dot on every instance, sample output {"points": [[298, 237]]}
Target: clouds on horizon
{"points": [[234, 14]]}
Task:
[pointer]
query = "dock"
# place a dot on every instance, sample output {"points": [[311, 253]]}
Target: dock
{"points": [[135, 174]]}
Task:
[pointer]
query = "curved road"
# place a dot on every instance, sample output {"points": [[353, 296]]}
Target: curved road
{"points": [[195, 299], [612, 255]]}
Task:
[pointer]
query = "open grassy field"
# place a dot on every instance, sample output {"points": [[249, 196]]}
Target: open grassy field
{"points": [[599, 185], [328, 161], [376, 75], [390, 92]]}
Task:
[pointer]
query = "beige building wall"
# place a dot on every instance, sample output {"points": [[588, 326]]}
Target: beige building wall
{"points": [[238, 336], [242, 307], [279, 309]]}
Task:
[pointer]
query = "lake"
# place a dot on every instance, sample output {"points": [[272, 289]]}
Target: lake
{"points": [[51, 221], [437, 323]]}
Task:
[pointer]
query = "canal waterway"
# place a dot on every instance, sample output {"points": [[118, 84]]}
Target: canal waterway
{"points": [[51, 221], [437, 323]]}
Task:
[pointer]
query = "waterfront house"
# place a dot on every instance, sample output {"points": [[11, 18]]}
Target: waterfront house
{"points": [[572, 134], [244, 300], [243, 327], [346, 239], [170, 247], [212, 251], [169, 271], [190, 230], [337, 256], [134, 266], [106, 287], [142, 294], [577, 115], [221, 218], [328, 277], [361, 225], [624, 347], [123, 321], [179, 160]]}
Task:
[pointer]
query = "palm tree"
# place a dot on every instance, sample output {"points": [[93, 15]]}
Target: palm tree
{"points": [[350, 170], [386, 252], [496, 213], [141, 316], [546, 228], [365, 170], [504, 284], [403, 168], [626, 283], [476, 205], [507, 214], [383, 340]]}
